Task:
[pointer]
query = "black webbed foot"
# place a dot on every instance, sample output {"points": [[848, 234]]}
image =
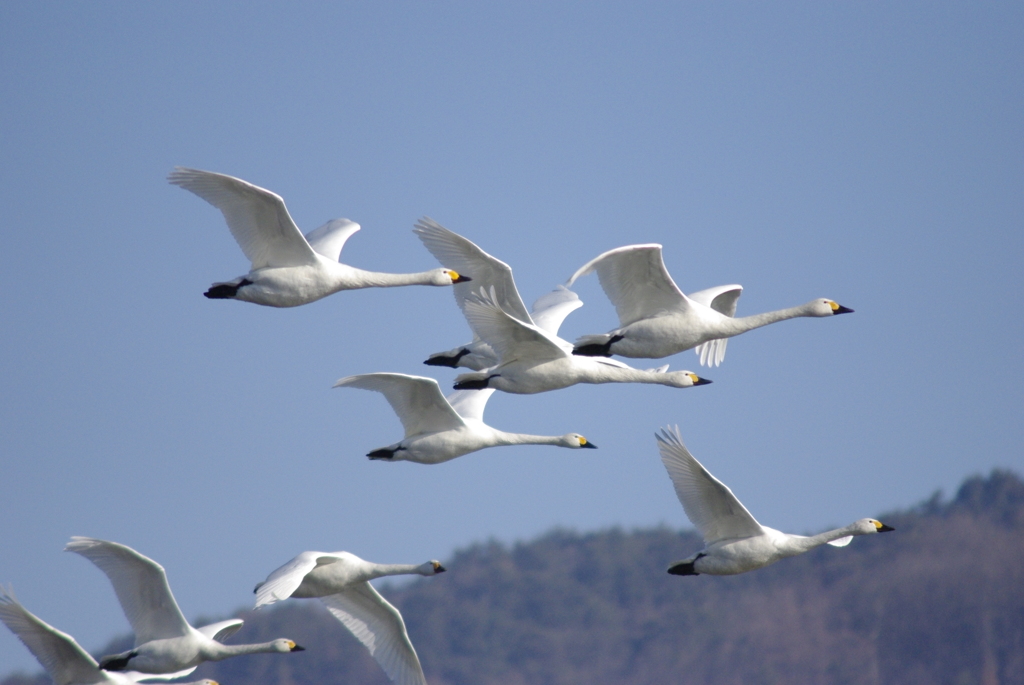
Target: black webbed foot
{"points": [[474, 384], [226, 291], [597, 349], [450, 361]]}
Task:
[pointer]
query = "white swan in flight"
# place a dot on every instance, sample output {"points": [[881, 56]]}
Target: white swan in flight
{"points": [[437, 428], [61, 656], [461, 254], [341, 581], [734, 542], [657, 320], [288, 269], [164, 640], [531, 360]]}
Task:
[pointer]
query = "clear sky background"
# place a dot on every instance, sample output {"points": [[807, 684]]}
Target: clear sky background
{"points": [[872, 153]]}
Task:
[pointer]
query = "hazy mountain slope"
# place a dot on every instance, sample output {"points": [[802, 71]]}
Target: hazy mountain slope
{"points": [[941, 600]]}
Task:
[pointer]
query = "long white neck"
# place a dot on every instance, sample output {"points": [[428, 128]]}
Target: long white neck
{"points": [[735, 326], [503, 438], [377, 279], [380, 570], [605, 373], [216, 651], [801, 543]]}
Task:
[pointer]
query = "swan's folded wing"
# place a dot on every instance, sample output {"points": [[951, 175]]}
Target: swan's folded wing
{"points": [[636, 281], [549, 311], [59, 654], [722, 298], [379, 626], [511, 338], [708, 502], [470, 404], [283, 581], [222, 630], [417, 401], [141, 587], [258, 218], [329, 239], [456, 252]]}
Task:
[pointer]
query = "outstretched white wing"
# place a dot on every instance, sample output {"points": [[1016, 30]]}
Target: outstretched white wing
{"points": [[511, 338], [141, 587], [330, 238], [636, 281], [456, 252], [258, 218], [707, 501], [417, 400], [282, 582], [723, 300], [379, 626], [59, 654], [549, 311]]}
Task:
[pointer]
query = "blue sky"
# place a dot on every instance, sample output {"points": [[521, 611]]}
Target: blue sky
{"points": [[870, 153]]}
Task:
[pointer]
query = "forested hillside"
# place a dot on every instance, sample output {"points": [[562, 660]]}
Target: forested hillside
{"points": [[941, 600]]}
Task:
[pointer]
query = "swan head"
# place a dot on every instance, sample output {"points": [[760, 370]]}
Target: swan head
{"points": [[577, 441], [431, 568], [869, 526], [826, 307], [449, 277], [284, 645], [684, 379]]}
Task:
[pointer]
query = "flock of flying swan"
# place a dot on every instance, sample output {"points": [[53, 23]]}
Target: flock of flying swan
{"points": [[513, 350]]}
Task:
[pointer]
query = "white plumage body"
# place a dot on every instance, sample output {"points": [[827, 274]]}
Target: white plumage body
{"points": [[438, 428], [734, 542], [657, 320], [164, 640], [532, 360], [288, 269], [341, 581]]}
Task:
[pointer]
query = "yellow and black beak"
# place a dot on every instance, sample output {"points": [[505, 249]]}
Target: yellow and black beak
{"points": [[438, 568], [459, 278], [882, 528], [587, 444], [840, 309], [697, 380]]}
